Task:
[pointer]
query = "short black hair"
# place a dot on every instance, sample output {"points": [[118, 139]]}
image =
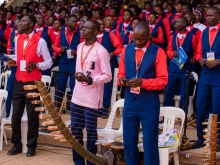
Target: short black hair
{"points": [[31, 18], [136, 18], [96, 24], [188, 5], [183, 18], [154, 13], [216, 9], [62, 21], [142, 25], [71, 16], [128, 10]]}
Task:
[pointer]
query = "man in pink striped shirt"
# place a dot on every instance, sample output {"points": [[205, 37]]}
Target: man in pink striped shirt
{"points": [[92, 71]]}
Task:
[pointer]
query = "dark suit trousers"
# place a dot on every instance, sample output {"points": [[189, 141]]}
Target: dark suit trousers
{"points": [[20, 100]]}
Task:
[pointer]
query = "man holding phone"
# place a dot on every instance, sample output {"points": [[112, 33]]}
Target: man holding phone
{"points": [[143, 72]]}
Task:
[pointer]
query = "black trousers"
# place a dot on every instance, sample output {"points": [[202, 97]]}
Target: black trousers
{"points": [[20, 100]]}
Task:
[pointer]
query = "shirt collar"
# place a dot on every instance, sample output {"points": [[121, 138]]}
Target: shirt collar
{"points": [[213, 27], [30, 35], [144, 48]]}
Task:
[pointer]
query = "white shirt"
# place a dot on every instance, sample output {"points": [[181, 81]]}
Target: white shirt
{"points": [[42, 50], [199, 26]]}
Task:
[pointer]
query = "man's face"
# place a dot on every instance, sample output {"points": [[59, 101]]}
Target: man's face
{"points": [[179, 8], [127, 16], [108, 22], [140, 38], [179, 24], [25, 24], [134, 22], [212, 17], [9, 15], [102, 25], [57, 25], [88, 31], [112, 12], [185, 9], [71, 22], [40, 20], [152, 19]]}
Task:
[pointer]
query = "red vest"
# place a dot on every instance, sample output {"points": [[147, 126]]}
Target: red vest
{"points": [[30, 55]]}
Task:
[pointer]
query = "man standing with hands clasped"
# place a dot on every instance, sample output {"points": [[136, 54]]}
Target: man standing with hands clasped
{"points": [[208, 56], [32, 57], [143, 72], [92, 71]]}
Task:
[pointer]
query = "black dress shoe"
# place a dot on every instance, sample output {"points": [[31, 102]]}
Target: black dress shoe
{"points": [[197, 145], [15, 150], [31, 153]]}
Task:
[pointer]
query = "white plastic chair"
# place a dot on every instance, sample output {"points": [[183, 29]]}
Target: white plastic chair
{"points": [[46, 80], [108, 133], [169, 114], [116, 94], [3, 97], [4, 79], [24, 128], [191, 98]]}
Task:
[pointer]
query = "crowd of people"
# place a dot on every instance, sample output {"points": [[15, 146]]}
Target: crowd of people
{"points": [[89, 39]]}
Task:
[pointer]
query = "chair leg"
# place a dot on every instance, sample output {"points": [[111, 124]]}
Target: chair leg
{"points": [[24, 135], [5, 137], [164, 157], [176, 158], [177, 103], [1, 137]]}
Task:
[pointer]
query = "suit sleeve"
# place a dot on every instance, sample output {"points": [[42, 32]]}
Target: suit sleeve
{"points": [[194, 45], [170, 49], [121, 68], [161, 79], [198, 54], [56, 46], [159, 39], [116, 43], [51, 35]]}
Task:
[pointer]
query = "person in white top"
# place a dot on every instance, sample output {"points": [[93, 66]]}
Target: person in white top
{"points": [[198, 18], [32, 57]]}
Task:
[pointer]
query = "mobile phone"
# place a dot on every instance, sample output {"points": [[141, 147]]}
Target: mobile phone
{"points": [[125, 81]]}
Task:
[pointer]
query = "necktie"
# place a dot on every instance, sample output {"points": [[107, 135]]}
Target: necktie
{"points": [[180, 36]]}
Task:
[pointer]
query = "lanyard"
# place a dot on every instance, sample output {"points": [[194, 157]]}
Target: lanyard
{"points": [[67, 38], [213, 40], [177, 45], [87, 53], [138, 65]]}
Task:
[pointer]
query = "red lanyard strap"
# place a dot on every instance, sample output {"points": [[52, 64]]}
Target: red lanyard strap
{"points": [[213, 40], [84, 59], [138, 65]]}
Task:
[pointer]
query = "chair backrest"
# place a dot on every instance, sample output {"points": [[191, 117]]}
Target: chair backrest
{"points": [[3, 97], [46, 80], [170, 114], [54, 69], [117, 104], [4, 79], [196, 78]]}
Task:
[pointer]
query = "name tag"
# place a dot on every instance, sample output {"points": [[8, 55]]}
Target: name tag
{"points": [[210, 56], [135, 90], [23, 65], [69, 54]]}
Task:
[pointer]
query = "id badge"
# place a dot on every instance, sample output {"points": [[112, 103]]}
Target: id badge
{"points": [[69, 54], [210, 56], [135, 90], [23, 65]]}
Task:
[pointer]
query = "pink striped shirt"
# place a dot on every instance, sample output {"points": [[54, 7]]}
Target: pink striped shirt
{"points": [[98, 64]]}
